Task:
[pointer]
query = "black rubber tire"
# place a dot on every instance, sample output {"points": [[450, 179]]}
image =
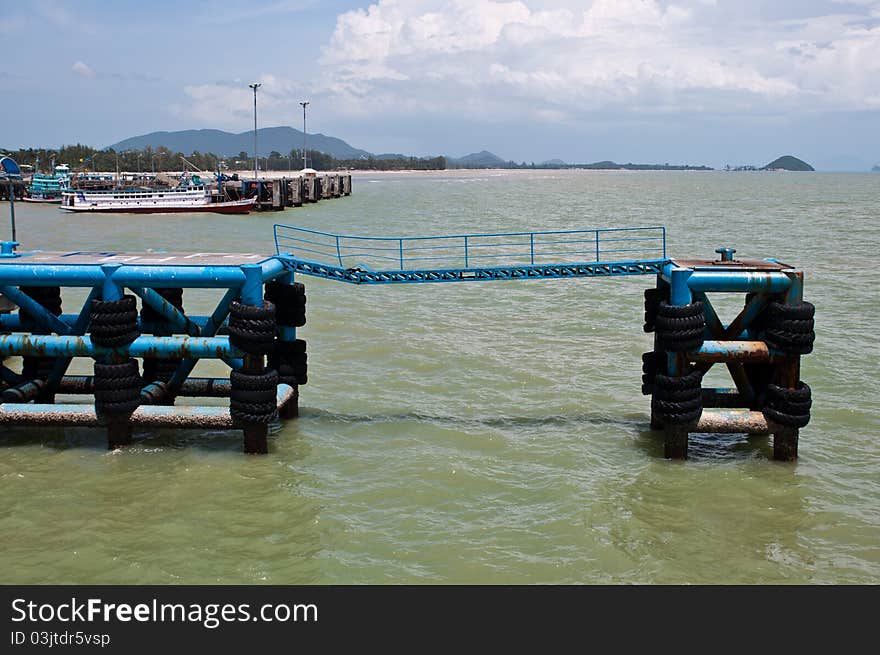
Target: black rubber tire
{"points": [[114, 318], [251, 346], [125, 304], [679, 311], [666, 407], [243, 419], [253, 408], [112, 330], [692, 379], [799, 394], [647, 389], [160, 370], [289, 362], [795, 343], [786, 420], [295, 370], [679, 395], [254, 382], [118, 408], [47, 297], [798, 311], [276, 290], [681, 419], [265, 311], [101, 384], [117, 371], [255, 326], [253, 396], [679, 324], [115, 342], [682, 345], [37, 368], [109, 396], [295, 320], [287, 348], [652, 302], [801, 325]]}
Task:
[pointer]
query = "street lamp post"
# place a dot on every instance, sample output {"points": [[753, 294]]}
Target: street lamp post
{"points": [[255, 86], [305, 137]]}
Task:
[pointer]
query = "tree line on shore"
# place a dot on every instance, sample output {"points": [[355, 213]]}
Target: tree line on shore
{"points": [[85, 158]]}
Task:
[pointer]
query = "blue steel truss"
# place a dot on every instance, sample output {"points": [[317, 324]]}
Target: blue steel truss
{"points": [[608, 252]]}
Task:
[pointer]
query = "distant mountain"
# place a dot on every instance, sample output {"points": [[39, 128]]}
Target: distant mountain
{"points": [[482, 159], [788, 163], [876, 169], [553, 162], [227, 144]]}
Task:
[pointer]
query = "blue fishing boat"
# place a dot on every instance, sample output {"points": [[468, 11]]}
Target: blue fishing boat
{"points": [[47, 187]]}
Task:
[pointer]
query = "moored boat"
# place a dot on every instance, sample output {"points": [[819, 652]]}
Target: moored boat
{"points": [[48, 188], [189, 198]]}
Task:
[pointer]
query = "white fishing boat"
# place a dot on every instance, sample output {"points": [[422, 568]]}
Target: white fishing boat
{"points": [[189, 198]]}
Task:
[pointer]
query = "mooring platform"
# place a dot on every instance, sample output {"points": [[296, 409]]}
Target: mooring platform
{"points": [[253, 328]]}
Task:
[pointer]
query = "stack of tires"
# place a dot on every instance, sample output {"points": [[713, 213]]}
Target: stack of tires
{"points": [[680, 328], [253, 395], [675, 400], [678, 400], [118, 384], [789, 328], [289, 358]]}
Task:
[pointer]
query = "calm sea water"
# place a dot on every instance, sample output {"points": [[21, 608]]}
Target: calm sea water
{"points": [[482, 433]]}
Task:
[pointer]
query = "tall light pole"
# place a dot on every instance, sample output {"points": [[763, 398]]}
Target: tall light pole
{"points": [[255, 86], [305, 136]]}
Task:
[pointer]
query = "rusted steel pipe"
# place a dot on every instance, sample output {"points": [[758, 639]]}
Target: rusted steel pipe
{"points": [[145, 416]]}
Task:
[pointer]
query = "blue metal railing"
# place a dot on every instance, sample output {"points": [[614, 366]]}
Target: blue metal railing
{"points": [[472, 251]]}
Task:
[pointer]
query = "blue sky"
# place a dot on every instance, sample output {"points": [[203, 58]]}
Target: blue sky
{"points": [[685, 81]]}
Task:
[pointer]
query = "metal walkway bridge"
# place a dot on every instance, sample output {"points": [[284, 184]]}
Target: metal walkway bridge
{"points": [[604, 252]]}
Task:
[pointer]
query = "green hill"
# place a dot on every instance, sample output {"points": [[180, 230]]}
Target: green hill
{"points": [[226, 144], [482, 159], [788, 163]]}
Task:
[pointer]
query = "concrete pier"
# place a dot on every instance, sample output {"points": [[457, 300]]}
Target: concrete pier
{"points": [[276, 192]]}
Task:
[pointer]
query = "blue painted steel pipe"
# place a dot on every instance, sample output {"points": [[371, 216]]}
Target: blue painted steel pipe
{"points": [[143, 346], [13, 323], [87, 275], [760, 281], [168, 311]]}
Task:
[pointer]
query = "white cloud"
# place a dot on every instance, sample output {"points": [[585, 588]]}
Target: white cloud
{"points": [[231, 104], [528, 58], [81, 68]]}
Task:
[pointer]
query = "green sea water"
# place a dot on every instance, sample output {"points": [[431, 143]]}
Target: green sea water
{"points": [[481, 433]]}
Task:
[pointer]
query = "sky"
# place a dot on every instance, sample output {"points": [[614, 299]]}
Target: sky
{"points": [[711, 82]]}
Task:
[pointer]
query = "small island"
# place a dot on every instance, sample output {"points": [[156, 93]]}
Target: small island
{"points": [[876, 169], [788, 163]]}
